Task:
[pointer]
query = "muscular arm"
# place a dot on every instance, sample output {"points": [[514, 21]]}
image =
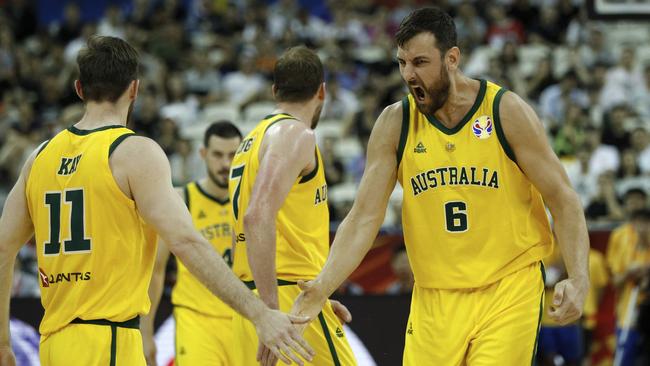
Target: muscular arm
{"points": [[149, 181], [358, 230], [525, 134], [288, 153], [15, 229]]}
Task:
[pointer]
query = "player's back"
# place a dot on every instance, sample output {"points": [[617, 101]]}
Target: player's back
{"points": [[95, 254], [302, 224]]}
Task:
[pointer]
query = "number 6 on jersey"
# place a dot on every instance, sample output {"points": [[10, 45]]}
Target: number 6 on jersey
{"points": [[456, 216]]}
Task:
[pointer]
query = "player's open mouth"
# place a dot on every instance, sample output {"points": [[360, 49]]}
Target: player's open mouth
{"points": [[419, 93]]}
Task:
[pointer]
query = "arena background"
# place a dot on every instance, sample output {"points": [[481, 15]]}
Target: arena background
{"points": [[583, 66]]}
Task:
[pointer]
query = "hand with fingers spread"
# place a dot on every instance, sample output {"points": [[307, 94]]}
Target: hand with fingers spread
{"points": [[276, 331], [7, 357], [568, 300]]}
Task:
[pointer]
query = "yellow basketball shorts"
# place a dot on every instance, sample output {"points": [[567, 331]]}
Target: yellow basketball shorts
{"points": [[202, 339], [494, 325], [325, 334], [94, 343]]}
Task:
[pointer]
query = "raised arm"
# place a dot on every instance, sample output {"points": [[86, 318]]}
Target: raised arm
{"points": [[15, 229], [149, 183], [358, 230], [525, 134], [287, 153]]}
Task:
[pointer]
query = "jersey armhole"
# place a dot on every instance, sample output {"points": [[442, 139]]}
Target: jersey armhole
{"points": [[312, 174], [497, 125], [118, 141], [404, 130]]}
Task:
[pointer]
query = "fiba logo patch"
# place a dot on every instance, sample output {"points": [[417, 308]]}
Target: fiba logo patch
{"points": [[482, 127]]}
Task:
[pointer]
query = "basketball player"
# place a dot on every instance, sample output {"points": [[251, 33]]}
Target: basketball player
{"points": [[476, 171], [95, 196], [279, 198], [203, 321]]}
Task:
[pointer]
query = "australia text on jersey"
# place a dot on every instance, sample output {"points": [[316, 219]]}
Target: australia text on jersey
{"points": [[451, 175]]}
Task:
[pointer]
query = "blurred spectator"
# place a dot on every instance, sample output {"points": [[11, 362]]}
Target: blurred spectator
{"points": [[243, 86], [614, 131], [598, 278], [181, 106], [112, 24], [70, 27], [640, 140], [401, 267], [596, 51], [634, 199], [333, 166], [470, 27], [502, 28], [22, 18], [554, 100], [183, 162], [604, 206], [628, 256], [340, 103], [202, 79], [604, 158], [571, 134], [583, 180], [360, 123], [145, 118], [623, 81], [547, 26], [642, 99]]}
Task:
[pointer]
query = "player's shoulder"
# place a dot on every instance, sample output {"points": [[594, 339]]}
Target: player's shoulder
{"points": [[136, 151], [290, 130]]}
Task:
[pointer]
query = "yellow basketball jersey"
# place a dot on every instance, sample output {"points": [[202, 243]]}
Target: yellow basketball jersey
{"points": [[302, 225], [212, 218], [95, 253], [470, 216]]}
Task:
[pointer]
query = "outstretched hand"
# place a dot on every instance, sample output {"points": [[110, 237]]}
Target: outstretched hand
{"points": [[310, 301], [277, 332]]}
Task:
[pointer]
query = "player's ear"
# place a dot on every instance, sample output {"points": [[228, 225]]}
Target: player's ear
{"points": [[452, 59], [321, 91], [78, 89], [133, 89], [203, 152], [274, 90]]}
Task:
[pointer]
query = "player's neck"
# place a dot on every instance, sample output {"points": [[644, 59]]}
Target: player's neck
{"points": [[462, 95], [212, 189], [304, 112], [103, 114]]}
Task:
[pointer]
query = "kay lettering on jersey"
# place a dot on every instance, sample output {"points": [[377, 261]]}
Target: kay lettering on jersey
{"points": [[321, 195], [454, 176], [69, 165]]}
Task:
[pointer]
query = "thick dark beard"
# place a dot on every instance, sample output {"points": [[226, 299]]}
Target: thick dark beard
{"points": [[215, 180], [316, 117], [438, 93]]}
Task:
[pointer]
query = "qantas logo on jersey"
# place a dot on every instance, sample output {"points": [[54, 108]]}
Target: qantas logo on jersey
{"points": [[69, 165], [452, 176], [47, 280]]}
